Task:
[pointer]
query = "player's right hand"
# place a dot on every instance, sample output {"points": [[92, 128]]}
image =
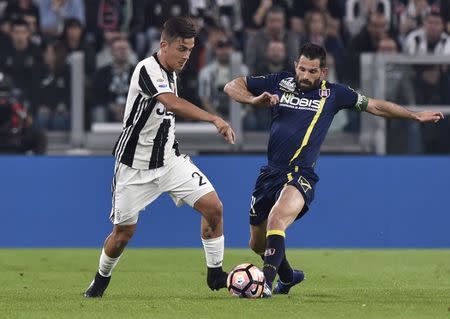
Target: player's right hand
{"points": [[225, 129], [265, 99]]}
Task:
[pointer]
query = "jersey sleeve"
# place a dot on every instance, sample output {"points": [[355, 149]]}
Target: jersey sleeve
{"points": [[347, 98], [262, 83], [151, 81]]}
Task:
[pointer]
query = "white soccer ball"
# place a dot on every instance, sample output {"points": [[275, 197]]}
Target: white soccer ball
{"points": [[246, 281]]}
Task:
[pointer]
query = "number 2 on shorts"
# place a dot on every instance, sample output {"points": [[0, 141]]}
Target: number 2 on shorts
{"points": [[200, 181]]}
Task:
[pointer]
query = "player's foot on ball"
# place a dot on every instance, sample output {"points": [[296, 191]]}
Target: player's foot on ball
{"points": [[217, 278], [97, 286], [267, 292], [283, 288]]}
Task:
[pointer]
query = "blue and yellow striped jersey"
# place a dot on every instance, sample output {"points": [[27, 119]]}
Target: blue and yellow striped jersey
{"points": [[301, 120]]}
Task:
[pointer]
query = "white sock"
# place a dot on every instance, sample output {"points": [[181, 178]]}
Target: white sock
{"points": [[107, 264], [214, 248]]}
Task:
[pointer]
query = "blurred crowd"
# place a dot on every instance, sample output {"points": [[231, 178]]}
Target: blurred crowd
{"points": [[235, 38]]}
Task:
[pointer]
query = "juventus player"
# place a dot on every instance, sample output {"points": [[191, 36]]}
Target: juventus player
{"points": [[149, 163]]}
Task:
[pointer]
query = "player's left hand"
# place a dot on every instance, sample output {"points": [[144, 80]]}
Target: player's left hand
{"points": [[225, 129], [429, 116]]}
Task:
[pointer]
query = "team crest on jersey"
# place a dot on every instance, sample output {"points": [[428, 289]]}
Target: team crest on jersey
{"points": [[288, 85], [324, 93]]}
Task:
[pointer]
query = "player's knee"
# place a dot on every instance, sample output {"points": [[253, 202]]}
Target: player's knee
{"points": [[213, 212], [276, 220]]}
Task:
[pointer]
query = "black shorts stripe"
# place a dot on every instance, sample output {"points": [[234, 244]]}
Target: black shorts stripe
{"points": [[145, 83], [159, 144], [130, 147]]}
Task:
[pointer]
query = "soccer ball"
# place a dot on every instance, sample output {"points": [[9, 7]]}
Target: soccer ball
{"points": [[246, 281]]}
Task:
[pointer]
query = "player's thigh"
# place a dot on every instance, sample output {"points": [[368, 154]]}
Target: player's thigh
{"points": [[186, 184], [133, 190], [286, 209]]}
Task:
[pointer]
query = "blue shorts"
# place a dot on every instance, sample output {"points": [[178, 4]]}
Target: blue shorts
{"points": [[268, 187]]}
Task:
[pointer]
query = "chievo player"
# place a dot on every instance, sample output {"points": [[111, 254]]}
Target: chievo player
{"points": [[302, 108]]}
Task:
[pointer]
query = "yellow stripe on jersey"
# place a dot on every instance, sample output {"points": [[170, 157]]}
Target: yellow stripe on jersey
{"points": [[276, 232], [289, 177], [311, 125]]}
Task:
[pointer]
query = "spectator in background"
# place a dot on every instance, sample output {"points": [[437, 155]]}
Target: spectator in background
{"points": [[275, 60], [258, 118], [229, 15], [365, 41], [316, 32], [111, 84], [157, 11], [125, 16], [215, 34], [17, 134], [430, 39], [411, 16], [18, 8], [72, 39], [53, 112], [53, 13], [254, 13], [274, 30], [334, 11], [22, 60], [358, 12], [35, 34], [215, 75], [105, 56]]}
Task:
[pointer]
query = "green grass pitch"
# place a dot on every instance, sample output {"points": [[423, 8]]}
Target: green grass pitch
{"points": [[171, 283]]}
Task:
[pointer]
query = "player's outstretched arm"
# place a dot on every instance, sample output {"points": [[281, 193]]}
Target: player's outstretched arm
{"points": [[238, 91], [188, 110], [389, 109]]}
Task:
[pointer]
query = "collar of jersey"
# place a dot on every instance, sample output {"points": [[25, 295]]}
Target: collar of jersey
{"points": [[155, 55]]}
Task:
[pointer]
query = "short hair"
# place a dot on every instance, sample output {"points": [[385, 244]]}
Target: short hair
{"points": [[19, 22], [276, 9], [178, 27], [313, 51]]}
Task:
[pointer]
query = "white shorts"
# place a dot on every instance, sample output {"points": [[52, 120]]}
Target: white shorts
{"points": [[134, 189]]}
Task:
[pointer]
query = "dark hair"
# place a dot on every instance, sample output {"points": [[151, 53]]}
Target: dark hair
{"points": [[19, 23], [435, 12], [276, 9], [179, 27], [312, 52]]}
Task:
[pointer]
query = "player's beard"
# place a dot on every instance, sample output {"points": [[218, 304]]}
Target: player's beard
{"points": [[306, 85]]}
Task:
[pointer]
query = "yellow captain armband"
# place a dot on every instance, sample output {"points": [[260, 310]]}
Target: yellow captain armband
{"points": [[361, 103]]}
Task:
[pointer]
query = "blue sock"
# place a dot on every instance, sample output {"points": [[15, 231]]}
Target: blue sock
{"points": [[273, 255], [285, 271]]}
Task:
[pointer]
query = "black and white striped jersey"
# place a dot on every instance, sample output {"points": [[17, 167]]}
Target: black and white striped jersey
{"points": [[148, 137]]}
